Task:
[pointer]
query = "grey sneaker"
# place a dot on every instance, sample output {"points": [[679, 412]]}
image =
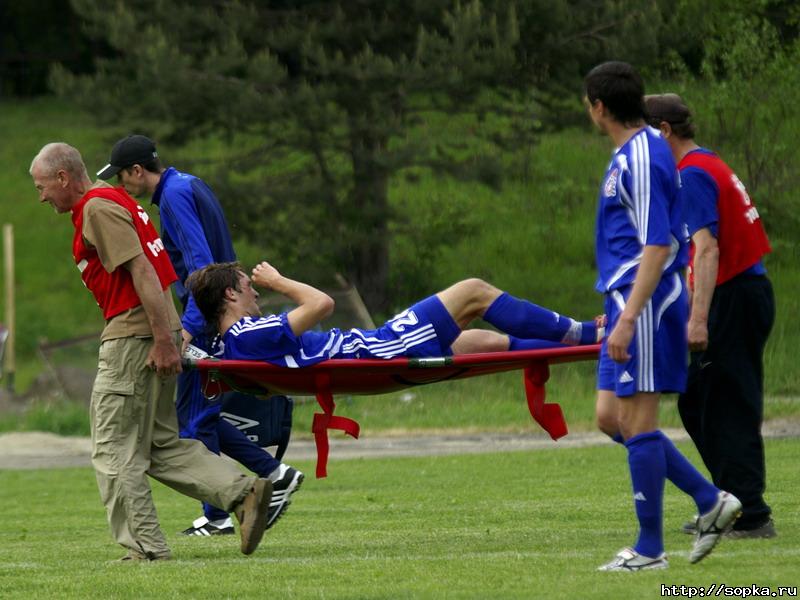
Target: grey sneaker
{"points": [[712, 525], [628, 559], [252, 515], [766, 530]]}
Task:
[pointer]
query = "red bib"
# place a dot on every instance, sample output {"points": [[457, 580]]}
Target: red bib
{"points": [[114, 292], [740, 234]]}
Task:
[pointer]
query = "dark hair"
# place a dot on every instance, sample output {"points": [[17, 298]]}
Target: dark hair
{"points": [[154, 166], [670, 108], [619, 87], [208, 286]]}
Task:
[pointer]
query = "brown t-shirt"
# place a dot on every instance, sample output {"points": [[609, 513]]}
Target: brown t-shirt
{"points": [[109, 229]]}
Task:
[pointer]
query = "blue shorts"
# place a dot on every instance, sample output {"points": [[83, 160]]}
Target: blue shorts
{"points": [[659, 349], [426, 329]]}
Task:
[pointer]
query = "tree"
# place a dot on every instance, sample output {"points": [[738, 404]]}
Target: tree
{"points": [[32, 36], [751, 81], [314, 101]]}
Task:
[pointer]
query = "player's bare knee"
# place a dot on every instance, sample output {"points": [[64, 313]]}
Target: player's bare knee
{"points": [[480, 292], [606, 416], [608, 425], [325, 305]]}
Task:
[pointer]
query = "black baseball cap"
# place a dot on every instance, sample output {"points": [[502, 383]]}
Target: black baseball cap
{"points": [[131, 150]]}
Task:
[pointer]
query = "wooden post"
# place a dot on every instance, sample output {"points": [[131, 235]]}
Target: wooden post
{"points": [[10, 357]]}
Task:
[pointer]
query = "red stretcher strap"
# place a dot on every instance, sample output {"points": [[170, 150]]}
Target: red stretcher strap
{"points": [[548, 415], [327, 420]]}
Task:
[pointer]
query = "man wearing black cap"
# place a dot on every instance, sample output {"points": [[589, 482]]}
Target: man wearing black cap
{"points": [[732, 312], [195, 234]]}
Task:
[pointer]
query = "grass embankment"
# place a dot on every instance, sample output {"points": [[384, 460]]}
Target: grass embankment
{"points": [[534, 239], [507, 525]]}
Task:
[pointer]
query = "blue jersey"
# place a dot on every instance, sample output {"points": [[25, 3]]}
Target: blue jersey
{"points": [[639, 206], [194, 232], [425, 329]]}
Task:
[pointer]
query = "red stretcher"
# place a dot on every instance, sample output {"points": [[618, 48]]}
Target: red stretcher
{"points": [[376, 376]]}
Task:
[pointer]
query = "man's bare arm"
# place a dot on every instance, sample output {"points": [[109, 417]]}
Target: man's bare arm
{"points": [[647, 278], [705, 268], [313, 305], [163, 356]]}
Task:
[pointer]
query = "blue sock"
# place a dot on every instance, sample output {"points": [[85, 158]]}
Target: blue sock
{"points": [[527, 320], [515, 343], [688, 479], [648, 467], [617, 437]]}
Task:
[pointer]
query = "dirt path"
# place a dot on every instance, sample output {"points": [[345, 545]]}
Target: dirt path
{"points": [[47, 451]]}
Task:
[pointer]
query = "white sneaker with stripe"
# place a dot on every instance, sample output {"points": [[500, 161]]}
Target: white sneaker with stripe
{"points": [[287, 482], [628, 559]]}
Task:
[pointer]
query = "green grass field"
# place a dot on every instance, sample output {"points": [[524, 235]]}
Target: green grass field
{"points": [[509, 525]]}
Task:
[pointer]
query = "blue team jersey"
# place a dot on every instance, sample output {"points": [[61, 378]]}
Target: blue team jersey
{"points": [[194, 232], [426, 329], [639, 205]]}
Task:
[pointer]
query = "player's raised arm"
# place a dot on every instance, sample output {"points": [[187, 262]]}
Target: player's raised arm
{"points": [[313, 305]]}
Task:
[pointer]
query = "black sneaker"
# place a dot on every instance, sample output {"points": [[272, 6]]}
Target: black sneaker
{"points": [[203, 527], [287, 484], [763, 531], [690, 527]]}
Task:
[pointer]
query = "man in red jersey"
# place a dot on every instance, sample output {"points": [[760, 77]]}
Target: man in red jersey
{"points": [[134, 425], [732, 313]]}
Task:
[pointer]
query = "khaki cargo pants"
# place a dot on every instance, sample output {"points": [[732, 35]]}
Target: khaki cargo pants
{"points": [[135, 434]]}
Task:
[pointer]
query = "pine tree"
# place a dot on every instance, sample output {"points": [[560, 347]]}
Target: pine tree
{"points": [[315, 101]]}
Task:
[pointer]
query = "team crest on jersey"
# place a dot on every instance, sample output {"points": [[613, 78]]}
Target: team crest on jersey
{"points": [[610, 186]]}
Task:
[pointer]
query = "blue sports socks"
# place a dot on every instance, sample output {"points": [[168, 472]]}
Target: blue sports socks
{"points": [[688, 479], [648, 466], [515, 343], [523, 319], [684, 475]]}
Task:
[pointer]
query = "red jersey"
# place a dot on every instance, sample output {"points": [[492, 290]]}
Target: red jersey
{"points": [[115, 292], [741, 237]]}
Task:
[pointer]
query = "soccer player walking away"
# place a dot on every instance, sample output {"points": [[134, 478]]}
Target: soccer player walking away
{"points": [[641, 251], [732, 313]]}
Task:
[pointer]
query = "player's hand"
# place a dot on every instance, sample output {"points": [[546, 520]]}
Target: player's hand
{"points": [[620, 340], [265, 275], [698, 336], [164, 358], [601, 323], [186, 339]]}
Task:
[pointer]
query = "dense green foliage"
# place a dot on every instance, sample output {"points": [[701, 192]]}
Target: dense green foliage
{"points": [[534, 238], [322, 93], [529, 232], [510, 525], [321, 105]]}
